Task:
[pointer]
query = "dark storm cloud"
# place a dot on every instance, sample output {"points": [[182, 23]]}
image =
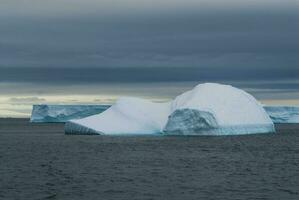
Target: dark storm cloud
{"points": [[188, 43]]}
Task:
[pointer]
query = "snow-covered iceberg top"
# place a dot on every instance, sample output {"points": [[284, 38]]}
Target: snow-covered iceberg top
{"points": [[127, 116], [208, 109]]}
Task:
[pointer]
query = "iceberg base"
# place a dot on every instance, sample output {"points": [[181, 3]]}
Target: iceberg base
{"points": [[72, 128], [230, 130]]}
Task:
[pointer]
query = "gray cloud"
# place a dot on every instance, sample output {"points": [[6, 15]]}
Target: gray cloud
{"points": [[138, 74], [194, 41], [54, 8]]}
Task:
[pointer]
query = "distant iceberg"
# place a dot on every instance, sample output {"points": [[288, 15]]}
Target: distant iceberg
{"points": [[63, 113], [283, 114], [208, 109]]}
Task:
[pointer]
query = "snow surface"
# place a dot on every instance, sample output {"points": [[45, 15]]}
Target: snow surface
{"points": [[218, 109], [127, 116]]}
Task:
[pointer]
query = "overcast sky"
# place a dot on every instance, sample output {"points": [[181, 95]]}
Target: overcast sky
{"points": [[65, 42], [129, 33]]}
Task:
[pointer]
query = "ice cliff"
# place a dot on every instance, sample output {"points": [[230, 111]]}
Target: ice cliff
{"points": [[283, 114], [63, 113]]}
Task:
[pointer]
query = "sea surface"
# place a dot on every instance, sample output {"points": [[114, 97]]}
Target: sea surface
{"points": [[37, 161]]}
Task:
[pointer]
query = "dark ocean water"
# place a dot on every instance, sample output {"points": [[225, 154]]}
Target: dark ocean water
{"points": [[37, 161]]}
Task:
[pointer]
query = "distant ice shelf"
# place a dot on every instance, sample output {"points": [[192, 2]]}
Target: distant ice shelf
{"points": [[63, 113], [283, 114]]}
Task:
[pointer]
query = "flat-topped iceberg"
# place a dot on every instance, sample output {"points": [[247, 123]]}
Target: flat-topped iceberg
{"points": [[63, 113], [283, 114], [208, 109]]}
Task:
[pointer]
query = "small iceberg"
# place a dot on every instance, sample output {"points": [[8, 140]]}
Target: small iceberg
{"points": [[127, 116], [208, 109]]}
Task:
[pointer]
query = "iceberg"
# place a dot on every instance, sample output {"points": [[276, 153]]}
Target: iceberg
{"points": [[208, 109], [283, 114], [63, 113], [215, 109]]}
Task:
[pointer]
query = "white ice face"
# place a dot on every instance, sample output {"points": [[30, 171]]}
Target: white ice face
{"points": [[127, 116], [214, 109], [229, 105]]}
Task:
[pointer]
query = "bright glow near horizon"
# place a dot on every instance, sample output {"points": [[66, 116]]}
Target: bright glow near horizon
{"points": [[20, 105]]}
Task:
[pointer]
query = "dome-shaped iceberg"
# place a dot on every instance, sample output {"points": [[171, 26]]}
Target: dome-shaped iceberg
{"points": [[208, 109], [215, 109]]}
